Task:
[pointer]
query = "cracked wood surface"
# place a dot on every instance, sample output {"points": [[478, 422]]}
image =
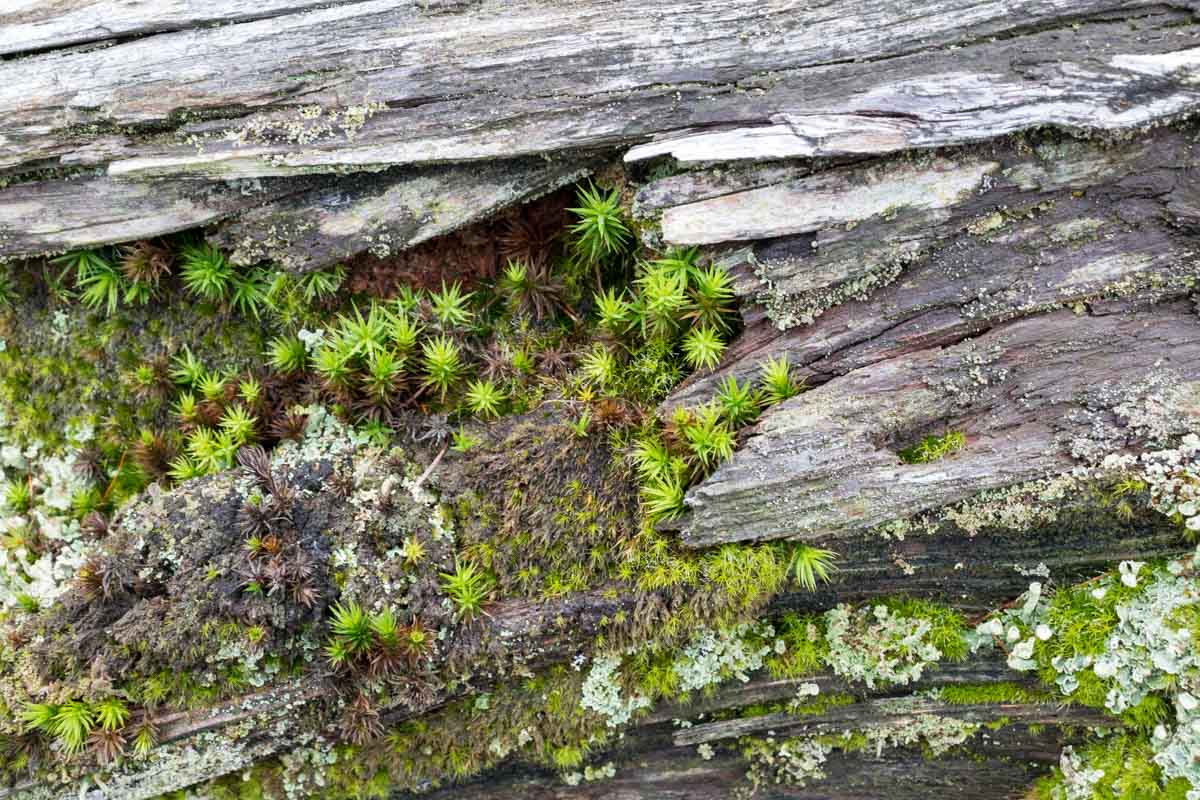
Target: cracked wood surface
{"points": [[642, 68], [874, 712], [370, 85], [1032, 396], [297, 223], [385, 213], [31, 25], [995, 314], [1051, 222], [659, 758], [1001, 766]]}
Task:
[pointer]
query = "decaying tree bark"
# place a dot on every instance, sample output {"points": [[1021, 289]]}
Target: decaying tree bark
{"points": [[371, 85], [964, 216]]}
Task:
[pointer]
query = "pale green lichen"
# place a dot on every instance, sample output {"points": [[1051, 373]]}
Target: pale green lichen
{"points": [[937, 732], [1148, 652], [877, 646], [602, 692], [53, 482], [308, 125], [1079, 780], [1173, 477], [788, 310], [716, 656], [795, 762], [590, 774], [709, 658]]}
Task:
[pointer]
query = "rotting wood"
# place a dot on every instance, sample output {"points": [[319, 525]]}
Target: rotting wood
{"points": [[29, 26], [296, 93], [1033, 397], [1034, 302]]}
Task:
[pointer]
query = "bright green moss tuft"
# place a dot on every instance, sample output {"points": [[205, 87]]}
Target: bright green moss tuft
{"points": [[933, 448], [948, 628], [999, 692], [807, 649]]}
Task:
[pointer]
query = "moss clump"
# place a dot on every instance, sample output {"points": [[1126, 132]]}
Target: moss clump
{"points": [[63, 361], [1000, 692], [821, 704], [933, 448], [807, 649], [538, 719], [947, 627], [1119, 767]]}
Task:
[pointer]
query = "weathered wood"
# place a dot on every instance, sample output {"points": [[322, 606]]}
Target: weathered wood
{"points": [[298, 223], [108, 211], [935, 110], [1071, 211], [1032, 291], [417, 60], [763, 689], [386, 213], [297, 92], [1001, 767], [830, 199], [29, 25], [932, 279], [874, 712], [1031, 396], [987, 552], [826, 200]]}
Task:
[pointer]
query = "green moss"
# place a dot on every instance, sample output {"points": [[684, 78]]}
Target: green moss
{"points": [[653, 671], [1081, 621], [804, 636], [933, 448], [823, 703], [1152, 710], [948, 627], [744, 575], [847, 742], [1129, 772], [999, 692]]}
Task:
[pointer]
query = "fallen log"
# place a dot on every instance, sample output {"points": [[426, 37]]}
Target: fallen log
{"points": [[967, 221]]}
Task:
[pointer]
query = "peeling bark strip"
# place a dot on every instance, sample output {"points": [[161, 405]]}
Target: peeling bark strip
{"points": [[1031, 397], [404, 100], [825, 200], [944, 108], [299, 223], [107, 211], [385, 213], [1070, 223]]}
